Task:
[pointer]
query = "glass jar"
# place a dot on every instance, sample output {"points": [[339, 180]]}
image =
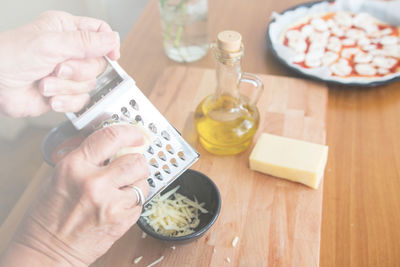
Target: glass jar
{"points": [[227, 120], [184, 29]]}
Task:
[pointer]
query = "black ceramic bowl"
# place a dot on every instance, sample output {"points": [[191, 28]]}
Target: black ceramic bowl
{"points": [[59, 135], [192, 183]]}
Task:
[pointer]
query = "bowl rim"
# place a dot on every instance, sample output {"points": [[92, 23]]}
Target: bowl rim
{"points": [[197, 233], [48, 138]]}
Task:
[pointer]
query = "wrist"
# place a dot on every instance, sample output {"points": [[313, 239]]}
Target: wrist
{"points": [[34, 246], [21, 255]]}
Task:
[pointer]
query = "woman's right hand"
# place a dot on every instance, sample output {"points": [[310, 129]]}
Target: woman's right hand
{"points": [[85, 206]]}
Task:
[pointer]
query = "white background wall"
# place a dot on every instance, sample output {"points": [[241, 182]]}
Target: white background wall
{"points": [[120, 14]]}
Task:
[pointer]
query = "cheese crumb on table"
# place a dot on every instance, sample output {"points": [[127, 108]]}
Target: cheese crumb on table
{"points": [[228, 260], [234, 241], [144, 235], [291, 159], [137, 260], [156, 261]]}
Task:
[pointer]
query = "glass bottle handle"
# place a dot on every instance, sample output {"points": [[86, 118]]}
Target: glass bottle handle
{"points": [[257, 86]]}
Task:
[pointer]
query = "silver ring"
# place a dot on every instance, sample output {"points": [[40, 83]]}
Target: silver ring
{"points": [[139, 195]]}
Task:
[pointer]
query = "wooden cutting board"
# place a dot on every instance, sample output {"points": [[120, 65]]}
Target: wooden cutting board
{"points": [[278, 222]]}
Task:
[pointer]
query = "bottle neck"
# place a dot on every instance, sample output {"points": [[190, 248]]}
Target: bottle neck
{"points": [[228, 76]]}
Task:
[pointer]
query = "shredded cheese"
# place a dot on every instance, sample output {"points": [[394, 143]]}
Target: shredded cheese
{"points": [[144, 235], [137, 260], [173, 214], [228, 259], [235, 240], [173, 247], [156, 261]]}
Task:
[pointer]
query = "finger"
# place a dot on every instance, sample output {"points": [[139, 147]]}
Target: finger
{"points": [[70, 23], [91, 24], [53, 86], [128, 217], [129, 196], [81, 69], [105, 143], [127, 170], [23, 103], [144, 186], [79, 44], [114, 55], [69, 103]]}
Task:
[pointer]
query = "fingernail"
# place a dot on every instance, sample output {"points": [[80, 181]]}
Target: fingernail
{"points": [[48, 88], [65, 72], [57, 105]]}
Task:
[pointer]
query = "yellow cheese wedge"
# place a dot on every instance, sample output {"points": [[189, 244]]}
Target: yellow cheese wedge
{"points": [[291, 159]]}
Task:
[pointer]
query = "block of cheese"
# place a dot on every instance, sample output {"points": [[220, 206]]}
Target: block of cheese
{"points": [[132, 149], [291, 159]]}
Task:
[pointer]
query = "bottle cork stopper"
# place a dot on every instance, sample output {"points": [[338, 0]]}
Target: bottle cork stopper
{"points": [[229, 41]]}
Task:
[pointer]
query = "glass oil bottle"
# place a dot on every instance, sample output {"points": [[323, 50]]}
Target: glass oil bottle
{"points": [[227, 120]]}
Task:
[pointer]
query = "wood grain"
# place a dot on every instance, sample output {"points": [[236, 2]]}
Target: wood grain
{"points": [[361, 210], [361, 203], [278, 222], [361, 200]]}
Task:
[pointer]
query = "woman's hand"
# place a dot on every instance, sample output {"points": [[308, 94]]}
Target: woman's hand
{"points": [[52, 63], [86, 206]]}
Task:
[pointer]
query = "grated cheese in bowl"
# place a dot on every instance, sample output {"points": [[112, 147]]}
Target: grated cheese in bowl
{"points": [[173, 214]]}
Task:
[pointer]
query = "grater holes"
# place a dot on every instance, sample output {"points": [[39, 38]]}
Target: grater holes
{"points": [[161, 155], [133, 104], [151, 182], [166, 169], [150, 150], [153, 128], [125, 112], [157, 142], [181, 155], [154, 163], [169, 149], [158, 175], [166, 135], [174, 162], [115, 117], [104, 124], [139, 119]]}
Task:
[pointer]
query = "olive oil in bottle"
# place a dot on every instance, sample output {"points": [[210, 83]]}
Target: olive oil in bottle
{"points": [[227, 120]]}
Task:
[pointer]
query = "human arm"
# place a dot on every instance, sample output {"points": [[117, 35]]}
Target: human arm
{"points": [[85, 206]]}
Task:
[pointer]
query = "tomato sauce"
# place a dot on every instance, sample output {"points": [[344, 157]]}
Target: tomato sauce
{"points": [[352, 64]]}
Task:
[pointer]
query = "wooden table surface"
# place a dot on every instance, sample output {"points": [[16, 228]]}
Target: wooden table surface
{"points": [[361, 203]]}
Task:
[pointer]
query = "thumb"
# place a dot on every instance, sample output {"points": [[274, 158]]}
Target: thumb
{"points": [[83, 44]]}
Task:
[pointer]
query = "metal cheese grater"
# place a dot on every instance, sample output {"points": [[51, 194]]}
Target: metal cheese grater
{"points": [[117, 98]]}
